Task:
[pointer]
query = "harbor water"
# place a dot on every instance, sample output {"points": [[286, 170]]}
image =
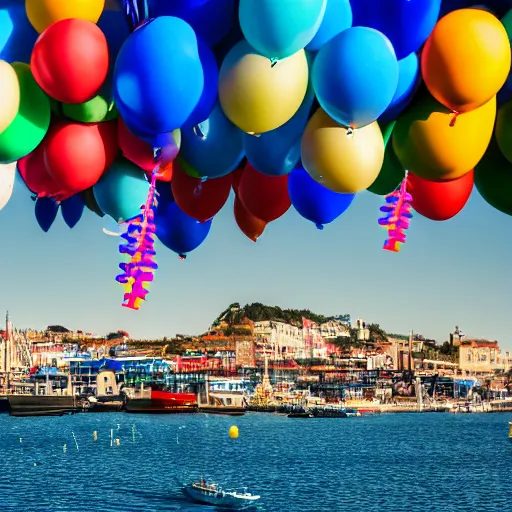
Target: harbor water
{"points": [[382, 463]]}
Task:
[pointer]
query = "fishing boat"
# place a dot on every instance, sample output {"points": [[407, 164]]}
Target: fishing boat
{"points": [[156, 399], [212, 494]]}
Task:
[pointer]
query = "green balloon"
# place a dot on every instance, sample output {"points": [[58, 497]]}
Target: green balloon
{"points": [[503, 130], [112, 113], [92, 111], [507, 23], [31, 123], [493, 178], [188, 168], [391, 173], [56, 107]]}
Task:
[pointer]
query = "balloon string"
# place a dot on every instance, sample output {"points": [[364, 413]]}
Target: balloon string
{"points": [[455, 114]]}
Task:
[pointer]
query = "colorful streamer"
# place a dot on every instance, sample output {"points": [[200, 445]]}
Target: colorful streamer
{"points": [[398, 216], [138, 245]]}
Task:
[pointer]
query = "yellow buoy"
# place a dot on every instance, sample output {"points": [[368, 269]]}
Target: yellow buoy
{"points": [[233, 432]]}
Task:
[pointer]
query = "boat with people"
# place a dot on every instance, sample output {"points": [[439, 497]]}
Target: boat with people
{"points": [[209, 493]]}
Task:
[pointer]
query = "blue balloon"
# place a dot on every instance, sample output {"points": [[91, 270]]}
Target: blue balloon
{"points": [[46, 210], [113, 25], [221, 49], [280, 28], [122, 190], [337, 17], [409, 79], [407, 23], [178, 231], [355, 76], [215, 147], [211, 85], [277, 152], [211, 19], [313, 201], [72, 210], [17, 35], [164, 195], [158, 77]]}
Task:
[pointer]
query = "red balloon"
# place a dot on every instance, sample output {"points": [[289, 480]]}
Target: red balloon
{"points": [[76, 155], [236, 177], [70, 60], [249, 225], [265, 197], [135, 149], [200, 200], [440, 200], [33, 171]]}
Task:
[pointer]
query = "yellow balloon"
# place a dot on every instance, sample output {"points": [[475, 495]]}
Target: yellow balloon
{"points": [[258, 96], [428, 145], [233, 432], [466, 59], [10, 95], [43, 13], [341, 161]]}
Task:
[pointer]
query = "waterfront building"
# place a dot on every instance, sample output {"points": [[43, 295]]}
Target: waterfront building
{"points": [[483, 357]]}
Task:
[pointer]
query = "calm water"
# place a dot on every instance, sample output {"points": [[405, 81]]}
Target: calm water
{"points": [[386, 463]]}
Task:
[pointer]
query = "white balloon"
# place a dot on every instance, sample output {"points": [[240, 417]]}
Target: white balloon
{"points": [[7, 175]]}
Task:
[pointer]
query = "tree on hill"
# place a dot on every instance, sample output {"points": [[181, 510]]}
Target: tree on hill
{"points": [[116, 335], [57, 328], [258, 312], [377, 334]]}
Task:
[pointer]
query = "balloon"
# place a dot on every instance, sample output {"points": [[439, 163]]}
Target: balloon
{"points": [[355, 76], [215, 147], [407, 23], [7, 175], [440, 200], [164, 195], [236, 176], [92, 111], [32, 169], [17, 35], [43, 13], [70, 60], [466, 59], [122, 190], [493, 178], [10, 98], [208, 97], [257, 97], [337, 18], [499, 7], [139, 151], [277, 152], [72, 210], [505, 93], [428, 146], [504, 130], [90, 202], [32, 119], [113, 25], [235, 35], [280, 29], [46, 210], [200, 200], [313, 201], [249, 225], [178, 231], [409, 78], [210, 19], [391, 173], [265, 197], [77, 155], [341, 162], [233, 432], [158, 76]]}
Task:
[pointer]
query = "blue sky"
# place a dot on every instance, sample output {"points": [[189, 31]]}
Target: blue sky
{"points": [[451, 273]]}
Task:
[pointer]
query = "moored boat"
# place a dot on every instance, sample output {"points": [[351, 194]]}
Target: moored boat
{"points": [[43, 405], [158, 401], [212, 494]]}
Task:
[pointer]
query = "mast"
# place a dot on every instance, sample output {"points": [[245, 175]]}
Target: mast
{"points": [[410, 363], [7, 350]]}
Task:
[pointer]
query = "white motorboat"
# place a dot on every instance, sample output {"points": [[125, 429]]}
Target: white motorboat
{"points": [[213, 494]]}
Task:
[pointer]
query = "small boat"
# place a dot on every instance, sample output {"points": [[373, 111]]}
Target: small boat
{"points": [[301, 414], [213, 494]]}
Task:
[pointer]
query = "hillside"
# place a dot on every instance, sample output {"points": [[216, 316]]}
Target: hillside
{"points": [[258, 312]]}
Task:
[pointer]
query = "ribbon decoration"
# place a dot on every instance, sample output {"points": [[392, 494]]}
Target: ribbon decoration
{"points": [[139, 245], [136, 12], [398, 216]]}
